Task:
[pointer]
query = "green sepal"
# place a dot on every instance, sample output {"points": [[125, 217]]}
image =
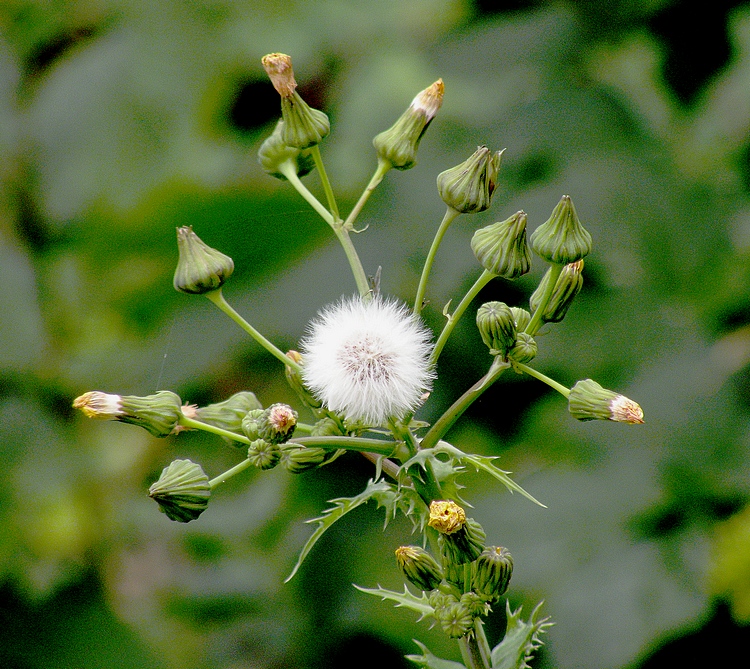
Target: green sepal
{"points": [[521, 639], [405, 599]]}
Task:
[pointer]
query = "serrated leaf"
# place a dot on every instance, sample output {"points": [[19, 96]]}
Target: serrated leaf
{"points": [[406, 599], [520, 641], [430, 661], [384, 493], [485, 464]]}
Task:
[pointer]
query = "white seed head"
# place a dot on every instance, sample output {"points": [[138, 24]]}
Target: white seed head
{"points": [[368, 360]]}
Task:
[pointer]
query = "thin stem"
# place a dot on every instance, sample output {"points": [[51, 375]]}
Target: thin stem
{"points": [[289, 170], [536, 320], [471, 654], [360, 278], [446, 421], [332, 206], [388, 466], [424, 479], [453, 319], [198, 425], [241, 467], [377, 177], [217, 297], [378, 446], [565, 392], [450, 215], [484, 646]]}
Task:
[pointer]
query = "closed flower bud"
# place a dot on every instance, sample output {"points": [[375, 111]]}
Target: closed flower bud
{"points": [[229, 414], [501, 248], [562, 239], [497, 327], [182, 491], [398, 145], [589, 401], [455, 619], [568, 285], [156, 413], [276, 424], [464, 545], [524, 349], [263, 454], [521, 318], [250, 426], [273, 153], [303, 126], [419, 567], [326, 427], [475, 604], [294, 379], [297, 459], [468, 187], [491, 573], [200, 269]]}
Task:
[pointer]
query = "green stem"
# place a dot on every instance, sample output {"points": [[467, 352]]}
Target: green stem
{"points": [[453, 319], [450, 216], [198, 425], [378, 446], [536, 320], [332, 206], [446, 421], [471, 654], [289, 170], [241, 467], [217, 297], [377, 177], [565, 392], [424, 479]]}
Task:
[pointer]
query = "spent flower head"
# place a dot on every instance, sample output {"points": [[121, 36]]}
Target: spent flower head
{"points": [[368, 360]]}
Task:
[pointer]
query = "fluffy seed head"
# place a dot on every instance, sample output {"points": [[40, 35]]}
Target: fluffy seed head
{"points": [[368, 360]]}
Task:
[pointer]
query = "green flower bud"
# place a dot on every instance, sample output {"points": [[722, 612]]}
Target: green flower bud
{"points": [[455, 619], [273, 153], [501, 248], [497, 327], [468, 187], [303, 126], [264, 455], [521, 318], [182, 491], [568, 285], [491, 573], [249, 424], [589, 401], [229, 414], [462, 546], [326, 427], [294, 378], [475, 604], [297, 459], [562, 239], [157, 413], [524, 349], [419, 567], [200, 269], [398, 145], [276, 424]]}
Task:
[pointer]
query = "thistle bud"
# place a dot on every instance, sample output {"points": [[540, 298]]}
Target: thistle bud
{"points": [[200, 269], [326, 427], [303, 126], [182, 491], [294, 378], [491, 573], [276, 424], [524, 349], [562, 239], [419, 567], [157, 413], [501, 248], [475, 604], [468, 187], [568, 285], [497, 327], [273, 153], [250, 427], [455, 619], [589, 401], [263, 454], [229, 414], [398, 145], [521, 318], [462, 546], [297, 459]]}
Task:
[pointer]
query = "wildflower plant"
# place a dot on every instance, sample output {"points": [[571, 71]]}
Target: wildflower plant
{"points": [[365, 367]]}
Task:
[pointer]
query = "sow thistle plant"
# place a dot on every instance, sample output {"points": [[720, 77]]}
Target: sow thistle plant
{"points": [[366, 365]]}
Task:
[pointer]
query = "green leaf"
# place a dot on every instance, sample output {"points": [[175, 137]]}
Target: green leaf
{"points": [[520, 641], [430, 661], [485, 464], [420, 605]]}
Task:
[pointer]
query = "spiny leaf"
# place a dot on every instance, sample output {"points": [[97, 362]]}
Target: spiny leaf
{"points": [[485, 463], [429, 661], [406, 599], [520, 641]]}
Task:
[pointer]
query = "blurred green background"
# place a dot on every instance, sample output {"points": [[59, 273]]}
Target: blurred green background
{"points": [[122, 119]]}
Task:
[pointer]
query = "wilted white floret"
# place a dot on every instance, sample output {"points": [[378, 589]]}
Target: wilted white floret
{"points": [[368, 360]]}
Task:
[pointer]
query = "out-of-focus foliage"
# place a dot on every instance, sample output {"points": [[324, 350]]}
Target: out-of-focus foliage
{"points": [[120, 120]]}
